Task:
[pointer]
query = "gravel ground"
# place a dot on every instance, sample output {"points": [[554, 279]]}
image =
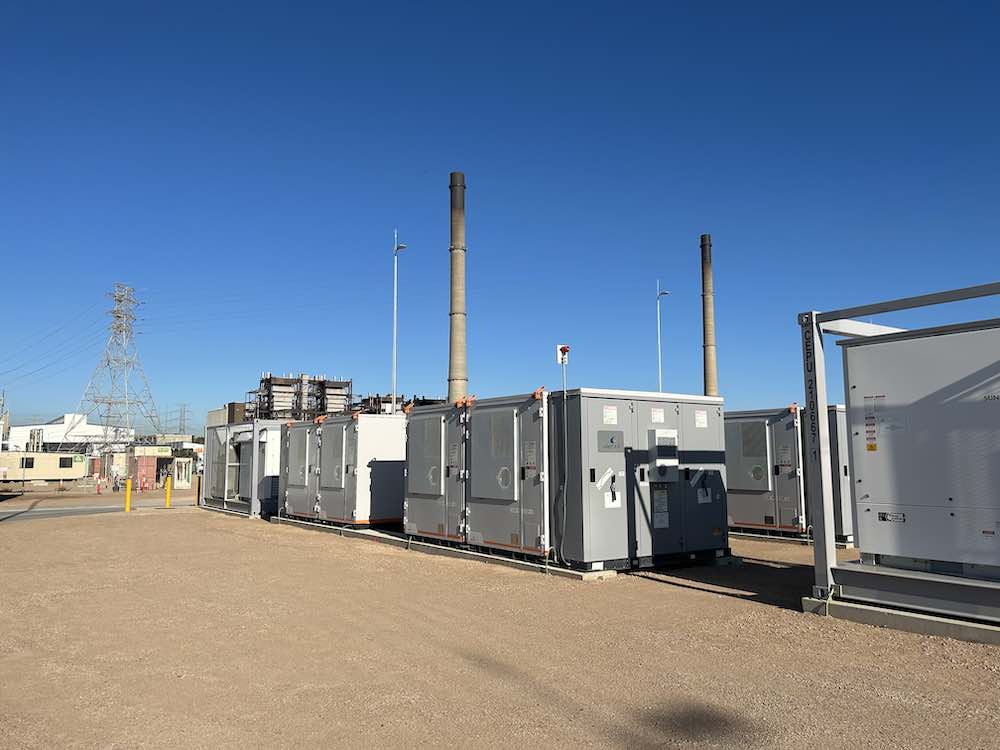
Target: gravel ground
{"points": [[196, 629]]}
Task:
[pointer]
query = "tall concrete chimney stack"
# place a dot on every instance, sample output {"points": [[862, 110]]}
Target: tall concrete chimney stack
{"points": [[458, 372], [708, 317]]}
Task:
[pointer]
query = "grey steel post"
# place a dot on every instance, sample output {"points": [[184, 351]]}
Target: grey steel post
{"points": [[708, 317], [396, 248], [458, 373], [659, 348], [816, 453]]}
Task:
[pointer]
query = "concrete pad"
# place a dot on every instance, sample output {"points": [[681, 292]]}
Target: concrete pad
{"points": [[439, 549], [897, 619]]}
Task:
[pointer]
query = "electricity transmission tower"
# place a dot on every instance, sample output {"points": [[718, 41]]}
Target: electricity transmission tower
{"points": [[118, 392], [179, 418]]}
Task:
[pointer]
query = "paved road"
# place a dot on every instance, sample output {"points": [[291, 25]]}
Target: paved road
{"points": [[26, 514]]}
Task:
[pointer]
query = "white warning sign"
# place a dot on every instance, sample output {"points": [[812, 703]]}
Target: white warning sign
{"points": [[701, 419], [610, 415], [657, 416]]}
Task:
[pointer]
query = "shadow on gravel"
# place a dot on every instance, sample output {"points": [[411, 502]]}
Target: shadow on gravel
{"points": [[15, 514], [672, 724], [778, 584]]}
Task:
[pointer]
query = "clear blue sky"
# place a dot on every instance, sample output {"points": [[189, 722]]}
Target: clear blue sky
{"points": [[243, 166]]}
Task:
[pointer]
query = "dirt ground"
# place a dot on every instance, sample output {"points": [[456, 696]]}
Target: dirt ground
{"points": [[188, 628]]}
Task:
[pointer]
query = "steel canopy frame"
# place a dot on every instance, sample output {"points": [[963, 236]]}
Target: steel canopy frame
{"points": [[816, 444]]}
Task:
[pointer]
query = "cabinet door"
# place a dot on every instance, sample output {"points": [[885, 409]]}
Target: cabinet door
{"points": [[609, 431], [657, 497]]}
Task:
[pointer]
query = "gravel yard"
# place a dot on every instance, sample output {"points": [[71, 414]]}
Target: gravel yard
{"points": [[197, 629]]}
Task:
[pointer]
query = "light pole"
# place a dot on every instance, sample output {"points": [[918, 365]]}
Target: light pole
{"points": [[659, 350], [397, 247]]}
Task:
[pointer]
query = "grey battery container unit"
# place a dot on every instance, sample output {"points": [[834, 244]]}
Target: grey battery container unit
{"points": [[242, 463], [346, 469], [507, 493], [610, 479], [764, 471], [924, 415], [435, 472]]}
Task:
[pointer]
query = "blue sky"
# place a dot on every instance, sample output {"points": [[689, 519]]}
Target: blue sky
{"points": [[243, 165]]}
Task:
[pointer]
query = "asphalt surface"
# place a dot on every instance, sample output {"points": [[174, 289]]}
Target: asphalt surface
{"points": [[187, 628]]}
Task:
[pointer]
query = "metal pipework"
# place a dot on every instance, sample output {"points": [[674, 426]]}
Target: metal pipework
{"points": [[458, 372], [708, 317]]}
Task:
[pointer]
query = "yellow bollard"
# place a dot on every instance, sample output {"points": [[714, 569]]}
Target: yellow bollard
{"points": [[128, 495], [169, 487]]}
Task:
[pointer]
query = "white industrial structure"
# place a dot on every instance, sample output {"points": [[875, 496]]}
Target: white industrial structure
{"points": [[69, 431], [924, 440]]}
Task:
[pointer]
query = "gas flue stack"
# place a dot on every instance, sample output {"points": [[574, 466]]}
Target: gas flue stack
{"points": [[458, 372]]}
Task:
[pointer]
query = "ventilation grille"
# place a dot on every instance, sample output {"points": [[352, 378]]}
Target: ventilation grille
{"points": [[754, 436]]}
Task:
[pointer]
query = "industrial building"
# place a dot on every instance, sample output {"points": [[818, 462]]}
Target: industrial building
{"points": [[347, 469], [765, 472], [297, 398], [610, 479], [34, 466], [70, 432]]}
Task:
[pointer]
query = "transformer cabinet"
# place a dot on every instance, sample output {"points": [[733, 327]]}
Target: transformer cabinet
{"points": [[611, 479], [924, 415], [344, 469], [764, 471], [242, 462]]}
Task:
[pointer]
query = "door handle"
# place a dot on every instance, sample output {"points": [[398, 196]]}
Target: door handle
{"points": [[642, 474]]}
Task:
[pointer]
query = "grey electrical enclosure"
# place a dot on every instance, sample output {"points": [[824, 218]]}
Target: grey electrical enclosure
{"points": [[765, 471], [924, 415], [507, 495], [346, 469], [435, 472], [608, 479], [241, 467]]}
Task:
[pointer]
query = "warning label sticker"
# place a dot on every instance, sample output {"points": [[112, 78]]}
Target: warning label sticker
{"points": [[661, 501], [529, 449], [701, 419], [657, 416], [661, 520], [871, 422], [610, 415], [892, 517]]}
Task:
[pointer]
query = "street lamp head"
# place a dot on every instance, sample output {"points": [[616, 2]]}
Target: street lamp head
{"points": [[662, 293]]}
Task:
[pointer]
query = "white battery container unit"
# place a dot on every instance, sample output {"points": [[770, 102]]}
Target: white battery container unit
{"points": [[924, 415], [344, 469]]}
